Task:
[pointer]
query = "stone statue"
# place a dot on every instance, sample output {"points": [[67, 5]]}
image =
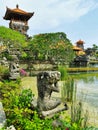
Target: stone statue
{"points": [[47, 82], [14, 70]]}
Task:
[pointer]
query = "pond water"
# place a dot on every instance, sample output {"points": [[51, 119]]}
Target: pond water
{"points": [[87, 93]]}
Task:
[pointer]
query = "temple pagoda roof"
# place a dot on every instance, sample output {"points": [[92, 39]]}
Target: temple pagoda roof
{"points": [[15, 13], [80, 42]]}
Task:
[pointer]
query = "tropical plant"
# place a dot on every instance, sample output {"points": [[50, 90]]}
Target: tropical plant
{"points": [[51, 46], [4, 72], [11, 37]]}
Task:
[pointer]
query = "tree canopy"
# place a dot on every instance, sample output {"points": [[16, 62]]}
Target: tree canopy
{"points": [[9, 36], [55, 47]]}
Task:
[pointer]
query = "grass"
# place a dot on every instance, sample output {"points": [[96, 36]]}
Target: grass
{"points": [[30, 83]]}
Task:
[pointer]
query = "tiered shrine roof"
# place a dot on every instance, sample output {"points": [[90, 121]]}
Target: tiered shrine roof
{"points": [[17, 14]]}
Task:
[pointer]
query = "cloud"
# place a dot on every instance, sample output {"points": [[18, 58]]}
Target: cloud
{"points": [[53, 13], [56, 12]]}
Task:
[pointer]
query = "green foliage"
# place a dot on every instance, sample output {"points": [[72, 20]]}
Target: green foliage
{"points": [[8, 87], [2, 128], [52, 46], [13, 41], [19, 114], [17, 107], [68, 88], [63, 71], [95, 47], [25, 98], [68, 91], [4, 71], [24, 55], [18, 111], [76, 113], [9, 36]]}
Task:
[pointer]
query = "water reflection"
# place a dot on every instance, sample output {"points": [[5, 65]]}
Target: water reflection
{"points": [[87, 92]]}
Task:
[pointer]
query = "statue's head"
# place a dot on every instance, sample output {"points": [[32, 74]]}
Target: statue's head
{"points": [[49, 80]]}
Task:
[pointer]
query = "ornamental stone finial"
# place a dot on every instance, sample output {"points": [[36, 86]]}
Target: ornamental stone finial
{"points": [[17, 6]]}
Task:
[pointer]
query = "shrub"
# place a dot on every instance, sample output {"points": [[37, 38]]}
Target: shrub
{"points": [[21, 116], [7, 87], [4, 72], [63, 71]]}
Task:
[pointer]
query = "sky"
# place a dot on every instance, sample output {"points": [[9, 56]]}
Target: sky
{"points": [[78, 19]]}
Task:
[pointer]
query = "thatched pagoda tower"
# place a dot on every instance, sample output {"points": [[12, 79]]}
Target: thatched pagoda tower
{"points": [[80, 44], [18, 19]]}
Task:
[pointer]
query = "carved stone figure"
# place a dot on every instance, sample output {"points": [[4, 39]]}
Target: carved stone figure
{"points": [[47, 82], [14, 70]]}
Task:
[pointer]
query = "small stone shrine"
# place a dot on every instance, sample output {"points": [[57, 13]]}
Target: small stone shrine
{"points": [[47, 82]]}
